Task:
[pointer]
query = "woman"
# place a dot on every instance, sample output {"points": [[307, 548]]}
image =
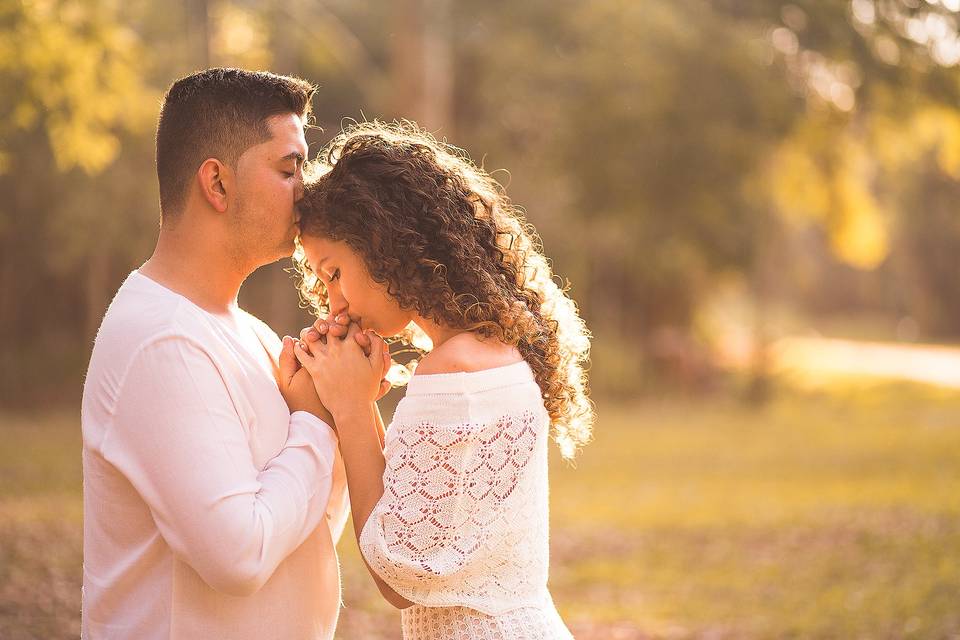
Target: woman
{"points": [[403, 234]]}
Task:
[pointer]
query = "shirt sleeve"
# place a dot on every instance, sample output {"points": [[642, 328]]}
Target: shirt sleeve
{"points": [[439, 533], [178, 439]]}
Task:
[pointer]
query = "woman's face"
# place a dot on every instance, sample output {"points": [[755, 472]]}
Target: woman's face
{"points": [[351, 290]]}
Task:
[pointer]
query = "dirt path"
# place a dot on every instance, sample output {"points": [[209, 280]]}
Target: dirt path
{"points": [[932, 364]]}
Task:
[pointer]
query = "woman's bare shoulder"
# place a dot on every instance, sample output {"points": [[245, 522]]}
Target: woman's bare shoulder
{"points": [[467, 352]]}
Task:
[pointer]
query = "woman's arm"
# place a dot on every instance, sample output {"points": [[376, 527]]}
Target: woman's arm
{"points": [[363, 459], [330, 364], [381, 430]]}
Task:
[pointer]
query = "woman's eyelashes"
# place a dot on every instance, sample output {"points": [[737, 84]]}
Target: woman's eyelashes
{"points": [[328, 277]]}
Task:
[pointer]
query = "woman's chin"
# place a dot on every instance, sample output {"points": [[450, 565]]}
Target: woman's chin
{"points": [[388, 328], [371, 324], [389, 331]]}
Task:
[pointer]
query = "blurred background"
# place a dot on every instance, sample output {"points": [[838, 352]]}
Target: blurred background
{"points": [[753, 202]]}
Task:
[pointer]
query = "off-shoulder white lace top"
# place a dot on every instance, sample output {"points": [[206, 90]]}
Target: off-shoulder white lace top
{"points": [[462, 527]]}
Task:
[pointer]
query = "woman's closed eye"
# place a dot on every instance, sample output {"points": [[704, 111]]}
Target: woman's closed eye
{"points": [[335, 275]]}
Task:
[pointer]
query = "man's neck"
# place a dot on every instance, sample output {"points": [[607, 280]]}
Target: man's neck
{"points": [[197, 268]]}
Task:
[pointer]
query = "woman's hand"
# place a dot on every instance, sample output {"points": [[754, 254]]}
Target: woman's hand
{"points": [[325, 329], [347, 380]]}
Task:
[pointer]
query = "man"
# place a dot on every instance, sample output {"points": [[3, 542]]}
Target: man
{"points": [[213, 491]]}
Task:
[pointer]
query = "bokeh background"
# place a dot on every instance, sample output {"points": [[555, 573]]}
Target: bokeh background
{"points": [[754, 202]]}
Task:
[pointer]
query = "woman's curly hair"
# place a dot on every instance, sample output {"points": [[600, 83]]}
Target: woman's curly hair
{"points": [[444, 239]]}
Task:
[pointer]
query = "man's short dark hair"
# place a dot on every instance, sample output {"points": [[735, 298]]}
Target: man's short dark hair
{"points": [[218, 113]]}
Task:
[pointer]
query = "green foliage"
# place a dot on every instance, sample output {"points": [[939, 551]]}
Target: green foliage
{"points": [[659, 148], [72, 71]]}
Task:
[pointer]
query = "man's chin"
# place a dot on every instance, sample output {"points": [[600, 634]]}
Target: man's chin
{"points": [[282, 252], [287, 248]]}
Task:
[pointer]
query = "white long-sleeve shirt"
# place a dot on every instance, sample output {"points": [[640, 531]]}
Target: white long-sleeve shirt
{"points": [[209, 510]]}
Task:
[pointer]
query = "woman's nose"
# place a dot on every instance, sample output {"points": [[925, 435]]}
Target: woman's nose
{"points": [[338, 304]]}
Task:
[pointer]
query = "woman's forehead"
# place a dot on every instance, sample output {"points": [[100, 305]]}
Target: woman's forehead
{"points": [[318, 250]]}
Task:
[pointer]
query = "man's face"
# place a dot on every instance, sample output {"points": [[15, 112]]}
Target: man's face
{"points": [[269, 180]]}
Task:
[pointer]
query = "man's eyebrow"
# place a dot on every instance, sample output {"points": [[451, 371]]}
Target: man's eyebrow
{"points": [[293, 155]]}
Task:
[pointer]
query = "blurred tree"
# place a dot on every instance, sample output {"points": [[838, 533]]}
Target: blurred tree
{"points": [[421, 63], [634, 128], [680, 138], [807, 148], [880, 84], [198, 29], [72, 90]]}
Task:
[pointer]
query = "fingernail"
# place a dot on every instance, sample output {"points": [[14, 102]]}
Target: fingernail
{"points": [[313, 334]]}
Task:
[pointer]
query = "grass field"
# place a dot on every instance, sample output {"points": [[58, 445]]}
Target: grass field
{"points": [[828, 514]]}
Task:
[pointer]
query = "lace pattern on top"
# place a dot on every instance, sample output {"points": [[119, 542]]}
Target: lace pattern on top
{"points": [[462, 527], [461, 521], [461, 623]]}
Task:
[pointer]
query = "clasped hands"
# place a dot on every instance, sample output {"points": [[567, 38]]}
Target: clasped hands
{"points": [[333, 369]]}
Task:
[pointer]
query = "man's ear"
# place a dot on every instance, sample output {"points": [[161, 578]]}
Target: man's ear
{"points": [[214, 181]]}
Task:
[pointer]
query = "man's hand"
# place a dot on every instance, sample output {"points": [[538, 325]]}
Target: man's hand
{"points": [[296, 385]]}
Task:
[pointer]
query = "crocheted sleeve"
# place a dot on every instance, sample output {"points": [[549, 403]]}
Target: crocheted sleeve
{"points": [[458, 520]]}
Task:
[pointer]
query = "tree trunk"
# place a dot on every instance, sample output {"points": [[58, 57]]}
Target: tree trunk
{"points": [[198, 32], [761, 276], [437, 99], [422, 65]]}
